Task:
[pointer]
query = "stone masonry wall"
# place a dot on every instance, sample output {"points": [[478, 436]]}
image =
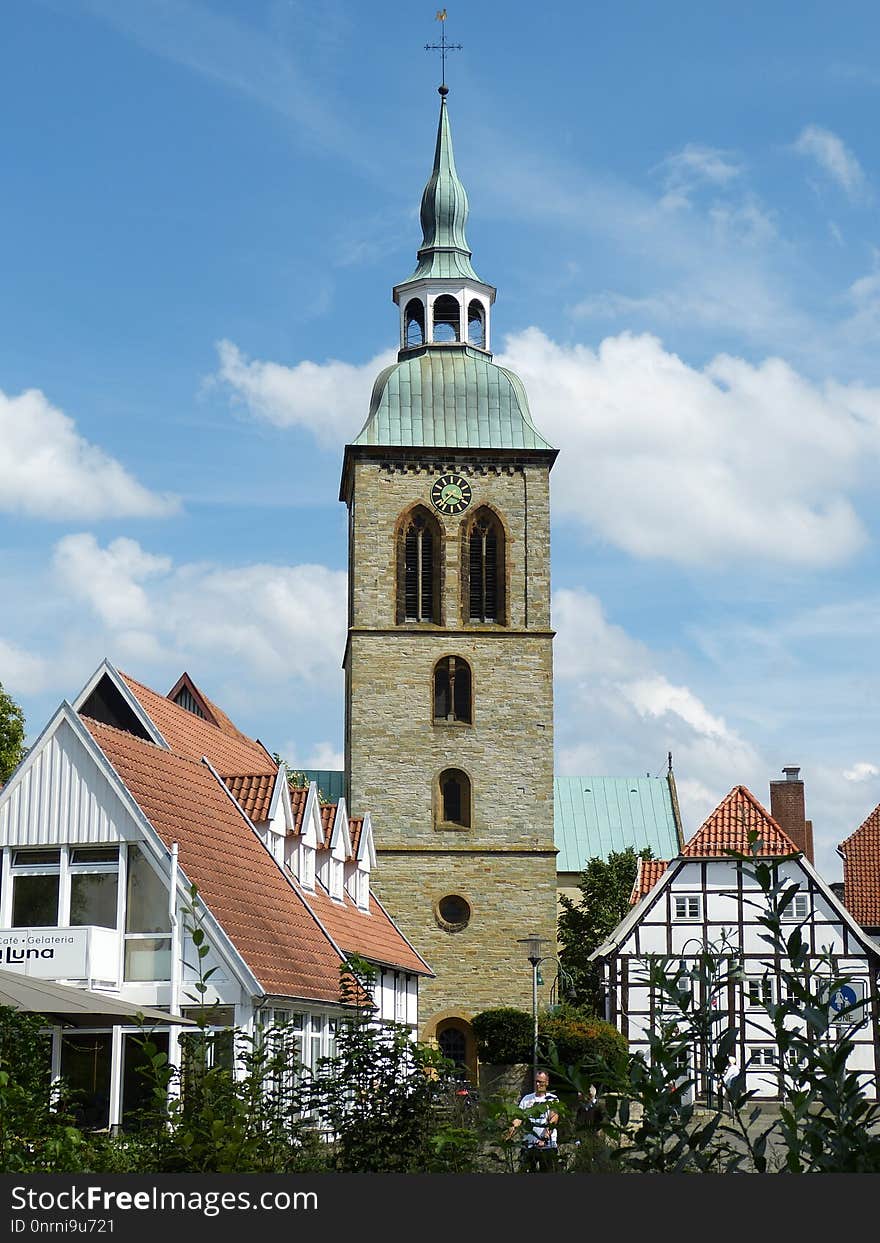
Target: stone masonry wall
{"points": [[481, 966], [504, 863]]}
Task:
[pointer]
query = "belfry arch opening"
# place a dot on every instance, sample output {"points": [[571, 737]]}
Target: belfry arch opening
{"points": [[418, 567], [476, 324], [414, 323], [447, 319]]}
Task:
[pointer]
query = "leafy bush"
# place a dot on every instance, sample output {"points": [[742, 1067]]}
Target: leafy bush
{"points": [[503, 1035], [37, 1130], [579, 1036]]}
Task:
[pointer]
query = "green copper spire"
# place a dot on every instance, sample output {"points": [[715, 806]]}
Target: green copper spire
{"points": [[444, 251]]}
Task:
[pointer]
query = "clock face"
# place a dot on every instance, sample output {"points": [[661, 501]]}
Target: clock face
{"points": [[451, 494]]}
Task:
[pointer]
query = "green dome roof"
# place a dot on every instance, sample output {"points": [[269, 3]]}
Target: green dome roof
{"points": [[450, 397]]}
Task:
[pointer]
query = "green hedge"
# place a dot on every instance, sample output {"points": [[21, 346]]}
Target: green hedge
{"points": [[503, 1035], [579, 1036]]}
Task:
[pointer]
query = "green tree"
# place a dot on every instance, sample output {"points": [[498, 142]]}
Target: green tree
{"points": [[11, 735], [605, 886]]}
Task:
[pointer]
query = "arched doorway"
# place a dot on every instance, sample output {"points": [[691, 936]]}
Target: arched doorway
{"points": [[455, 1039]]}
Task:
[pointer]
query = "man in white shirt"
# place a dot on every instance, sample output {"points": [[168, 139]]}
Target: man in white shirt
{"points": [[539, 1148]]}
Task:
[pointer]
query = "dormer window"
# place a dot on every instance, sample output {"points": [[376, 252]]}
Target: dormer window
{"points": [[306, 868], [323, 868], [447, 319], [336, 879], [362, 882]]}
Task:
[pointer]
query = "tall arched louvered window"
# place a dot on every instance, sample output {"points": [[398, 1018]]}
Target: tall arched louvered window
{"points": [[485, 568], [418, 593], [452, 690]]}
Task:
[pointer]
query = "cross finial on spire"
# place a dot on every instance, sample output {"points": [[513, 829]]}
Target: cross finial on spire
{"points": [[443, 47]]}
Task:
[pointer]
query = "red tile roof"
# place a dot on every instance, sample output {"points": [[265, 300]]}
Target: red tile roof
{"points": [[728, 827], [190, 735], [649, 872], [263, 914], [374, 935], [253, 794], [861, 871], [355, 828], [298, 797]]}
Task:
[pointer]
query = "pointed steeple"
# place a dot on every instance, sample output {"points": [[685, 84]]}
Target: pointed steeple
{"points": [[444, 251]]}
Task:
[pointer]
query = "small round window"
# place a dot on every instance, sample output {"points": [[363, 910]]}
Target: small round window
{"points": [[453, 912]]}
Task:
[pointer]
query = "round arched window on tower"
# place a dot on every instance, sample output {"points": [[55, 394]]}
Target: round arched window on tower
{"points": [[453, 912]]}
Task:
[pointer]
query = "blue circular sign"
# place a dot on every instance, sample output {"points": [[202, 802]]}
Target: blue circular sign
{"points": [[843, 997]]}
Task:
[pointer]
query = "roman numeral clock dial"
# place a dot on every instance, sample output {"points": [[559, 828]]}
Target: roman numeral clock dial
{"points": [[451, 494]]}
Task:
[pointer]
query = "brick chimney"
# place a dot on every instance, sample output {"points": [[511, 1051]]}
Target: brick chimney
{"points": [[788, 810]]}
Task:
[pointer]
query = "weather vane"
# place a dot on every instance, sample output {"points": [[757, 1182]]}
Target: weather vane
{"points": [[442, 47]]}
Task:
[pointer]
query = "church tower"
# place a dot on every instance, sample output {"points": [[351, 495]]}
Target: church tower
{"points": [[449, 661]]}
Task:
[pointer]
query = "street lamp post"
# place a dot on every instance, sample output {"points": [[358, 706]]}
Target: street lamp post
{"points": [[533, 946]]}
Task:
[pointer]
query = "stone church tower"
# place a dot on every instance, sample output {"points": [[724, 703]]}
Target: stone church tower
{"points": [[449, 660]]}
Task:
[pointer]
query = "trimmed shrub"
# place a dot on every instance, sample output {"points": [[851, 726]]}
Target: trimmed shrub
{"points": [[503, 1035], [579, 1036]]}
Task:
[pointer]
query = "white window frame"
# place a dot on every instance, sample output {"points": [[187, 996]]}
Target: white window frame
{"points": [[306, 869], [763, 1057], [759, 991], [362, 883], [55, 868], [693, 907], [400, 997], [799, 907], [336, 886]]}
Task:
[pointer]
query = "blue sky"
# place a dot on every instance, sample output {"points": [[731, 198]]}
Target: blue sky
{"points": [[205, 204]]}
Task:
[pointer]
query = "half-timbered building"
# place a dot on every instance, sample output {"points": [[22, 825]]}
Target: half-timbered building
{"points": [[128, 799], [707, 900]]}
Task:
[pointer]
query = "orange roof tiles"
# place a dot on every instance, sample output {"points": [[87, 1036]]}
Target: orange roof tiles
{"points": [[649, 872], [355, 828], [298, 797], [253, 794], [861, 871], [374, 935], [191, 735], [728, 827], [261, 912]]}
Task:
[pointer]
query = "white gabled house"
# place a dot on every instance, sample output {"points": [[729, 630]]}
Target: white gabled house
{"points": [[706, 899], [128, 798]]}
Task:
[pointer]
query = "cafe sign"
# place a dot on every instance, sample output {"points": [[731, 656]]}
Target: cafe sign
{"points": [[47, 953]]}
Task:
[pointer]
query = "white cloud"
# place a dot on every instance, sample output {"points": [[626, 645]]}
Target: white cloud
{"points": [[619, 713], [22, 673], [731, 462], [734, 462], [331, 399], [655, 697], [862, 771], [47, 470], [274, 622], [833, 157], [109, 579], [694, 166], [322, 755]]}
